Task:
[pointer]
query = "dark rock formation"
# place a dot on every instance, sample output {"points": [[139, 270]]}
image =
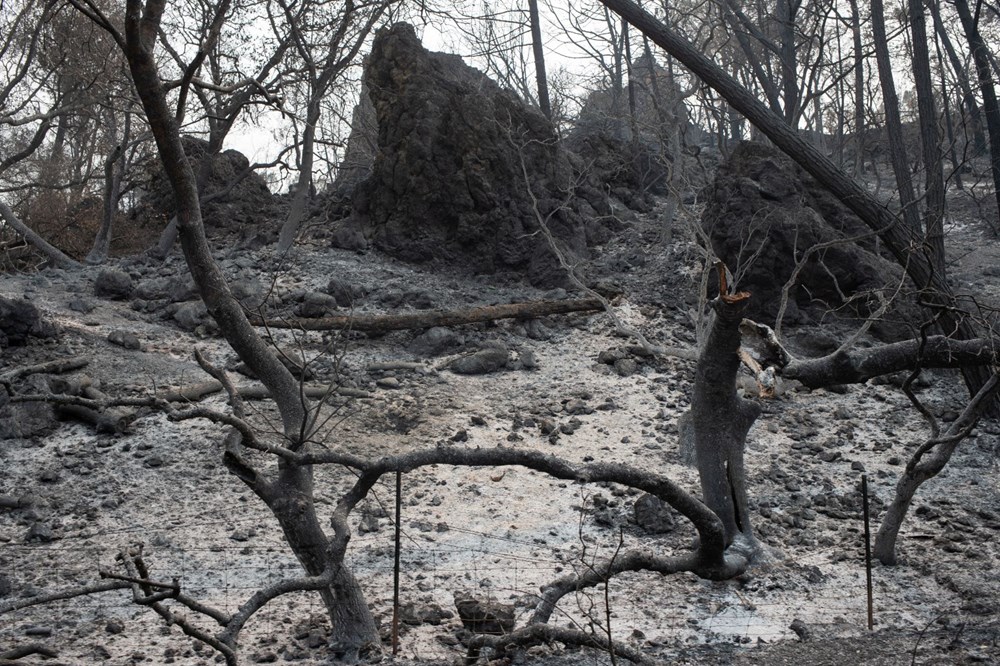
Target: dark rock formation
{"points": [[247, 203], [448, 182], [764, 212], [633, 155], [20, 320]]}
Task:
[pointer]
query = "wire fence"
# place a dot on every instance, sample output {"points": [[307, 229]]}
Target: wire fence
{"points": [[223, 562]]}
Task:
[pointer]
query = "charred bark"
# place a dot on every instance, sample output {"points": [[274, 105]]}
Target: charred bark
{"points": [[721, 419], [367, 323]]}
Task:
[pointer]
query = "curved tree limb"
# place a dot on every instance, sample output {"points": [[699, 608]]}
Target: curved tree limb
{"points": [[858, 365]]}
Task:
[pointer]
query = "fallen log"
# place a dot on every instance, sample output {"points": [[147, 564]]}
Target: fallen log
{"points": [[383, 323], [57, 366], [196, 392]]}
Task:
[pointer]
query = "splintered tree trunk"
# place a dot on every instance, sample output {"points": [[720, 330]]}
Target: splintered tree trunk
{"points": [[721, 420]]}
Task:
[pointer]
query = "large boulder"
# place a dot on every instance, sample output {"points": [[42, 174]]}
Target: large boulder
{"points": [[455, 157], [764, 212], [248, 203]]}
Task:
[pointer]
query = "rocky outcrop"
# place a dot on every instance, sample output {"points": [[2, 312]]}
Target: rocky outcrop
{"points": [[763, 213], [19, 321], [247, 203], [633, 154], [455, 158]]}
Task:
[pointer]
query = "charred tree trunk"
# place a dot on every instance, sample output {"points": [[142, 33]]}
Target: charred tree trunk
{"points": [[114, 171], [721, 419], [991, 106], [893, 123], [291, 494], [930, 139], [538, 51], [303, 186]]}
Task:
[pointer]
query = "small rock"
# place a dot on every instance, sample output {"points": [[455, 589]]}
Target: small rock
{"points": [[536, 330], [114, 284], [242, 534], [114, 627], [81, 305], [191, 315], [345, 294], [482, 362], [800, 629], [434, 341], [39, 533], [388, 383], [460, 436], [485, 617], [653, 514], [527, 359], [626, 367], [316, 304], [125, 339], [266, 657]]}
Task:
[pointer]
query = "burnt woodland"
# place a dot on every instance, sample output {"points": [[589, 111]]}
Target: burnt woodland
{"points": [[568, 333]]}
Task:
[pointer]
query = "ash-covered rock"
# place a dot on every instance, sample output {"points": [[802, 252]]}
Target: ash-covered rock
{"points": [[456, 157], [764, 213]]}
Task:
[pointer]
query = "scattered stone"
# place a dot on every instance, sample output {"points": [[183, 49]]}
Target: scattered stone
{"points": [[536, 330], [265, 657], [81, 305], [369, 524], [527, 359], [114, 627], [125, 339], [346, 295], [485, 617], [113, 284], [20, 320], [388, 383], [626, 367], [316, 304], [653, 514], [242, 534], [481, 362], [249, 291], [434, 341], [800, 629], [191, 315], [460, 436], [415, 614], [39, 533]]}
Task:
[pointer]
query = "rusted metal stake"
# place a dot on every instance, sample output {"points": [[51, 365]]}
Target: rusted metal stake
{"points": [[395, 567], [868, 549]]}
